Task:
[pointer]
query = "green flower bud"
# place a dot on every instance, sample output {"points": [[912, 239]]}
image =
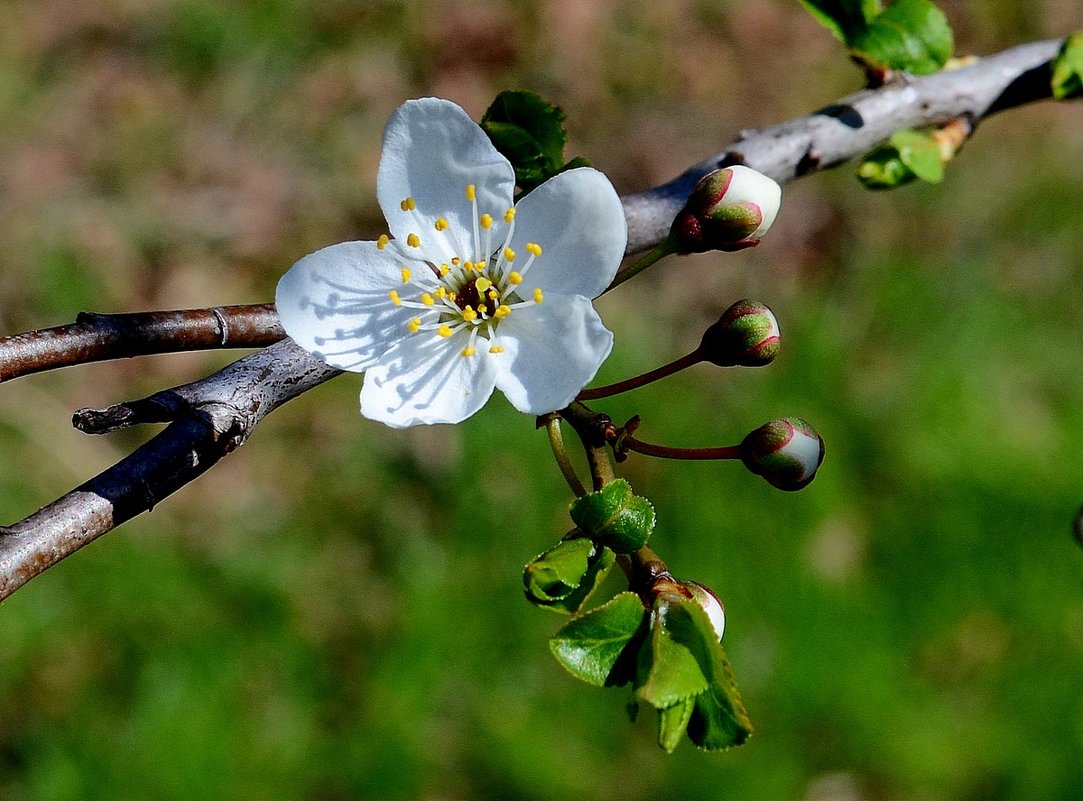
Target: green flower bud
{"points": [[729, 209], [746, 335], [787, 453], [709, 603]]}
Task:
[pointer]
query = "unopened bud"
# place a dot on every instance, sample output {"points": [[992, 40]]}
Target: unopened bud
{"points": [[787, 453], [746, 335], [729, 209], [711, 604]]}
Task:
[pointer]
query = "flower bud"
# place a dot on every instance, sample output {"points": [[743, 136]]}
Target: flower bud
{"points": [[729, 209], [710, 603], [746, 335], [787, 453]]}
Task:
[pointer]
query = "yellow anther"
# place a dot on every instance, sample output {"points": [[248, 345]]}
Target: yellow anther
{"points": [[469, 314], [456, 261], [441, 292], [538, 296], [394, 297], [441, 224], [482, 284], [493, 294], [469, 351], [414, 325], [509, 215], [444, 331], [515, 278], [509, 254], [381, 243], [408, 204], [502, 311], [534, 249], [451, 296], [444, 270], [413, 240], [496, 349], [486, 221], [471, 194], [406, 275], [427, 299]]}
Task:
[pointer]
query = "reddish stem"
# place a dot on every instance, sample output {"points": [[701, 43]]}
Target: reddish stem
{"points": [[640, 380], [664, 452]]}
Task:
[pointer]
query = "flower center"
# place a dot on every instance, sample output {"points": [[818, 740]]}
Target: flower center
{"points": [[464, 298]]}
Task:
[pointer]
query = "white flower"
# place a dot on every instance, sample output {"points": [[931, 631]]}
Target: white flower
{"points": [[470, 292]]}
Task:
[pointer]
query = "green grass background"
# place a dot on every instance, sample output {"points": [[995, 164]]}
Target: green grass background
{"points": [[335, 612]]}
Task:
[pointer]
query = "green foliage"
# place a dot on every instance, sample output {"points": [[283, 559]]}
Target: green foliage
{"points": [[1068, 68], [910, 35], [564, 577], [615, 516], [907, 155], [530, 133], [590, 646]]}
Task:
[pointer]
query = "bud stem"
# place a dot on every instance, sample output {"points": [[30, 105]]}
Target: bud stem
{"points": [[640, 380], [665, 452], [646, 260], [560, 453]]}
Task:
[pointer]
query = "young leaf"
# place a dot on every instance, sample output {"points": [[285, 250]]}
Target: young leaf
{"points": [[667, 672], [589, 646], [920, 153], [911, 35], [530, 134], [1068, 68], [565, 576], [672, 723], [844, 18], [615, 516], [883, 168], [719, 719]]}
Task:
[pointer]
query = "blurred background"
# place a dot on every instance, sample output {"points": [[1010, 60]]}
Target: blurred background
{"points": [[335, 612]]}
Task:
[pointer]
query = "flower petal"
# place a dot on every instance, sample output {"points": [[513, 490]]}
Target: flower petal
{"points": [[424, 379], [578, 220], [432, 150], [335, 303], [551, 350]]}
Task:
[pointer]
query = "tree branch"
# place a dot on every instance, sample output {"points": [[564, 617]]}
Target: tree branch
{"points": [[214, 416]]}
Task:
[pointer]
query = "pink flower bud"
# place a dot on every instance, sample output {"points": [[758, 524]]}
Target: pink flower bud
{"points": [[745, 335], [787, 453], [729, 209], [710, 603]]}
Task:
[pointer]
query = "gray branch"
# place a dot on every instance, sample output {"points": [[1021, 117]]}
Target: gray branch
{"points": [[212, 417]]}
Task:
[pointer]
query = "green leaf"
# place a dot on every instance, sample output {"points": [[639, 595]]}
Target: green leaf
{"points": [[673, 722], [884, 169], [911, 35], [667, 673], [565, 576], [615, 516], [590, 646], [920, 152], [1068, 68], [719, 719], [530, 134], [845, 18]]}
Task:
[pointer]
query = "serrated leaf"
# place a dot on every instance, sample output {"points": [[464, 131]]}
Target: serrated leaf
{"points": [[719, 719], [1068, 68], [844, 18], [920, 153], [559, 571], [615, 516], [911, 35], [667, 673], [672, 723], [529, 132], [590, 646]]}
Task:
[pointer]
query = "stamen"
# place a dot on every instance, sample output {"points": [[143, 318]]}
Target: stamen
{"points": [[471, 194], [381, 243], [538, 296], [441, 224], [413, 240], [414, 325], [486, 221], [444, 270], [469, 351], [509, 215], [427, 299], [496, 349], [469, 314], [444, 331], [502, 311], [408, 204], [534, 248], [395, 297], [406, 275], [509, 255], [515, 278]]}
